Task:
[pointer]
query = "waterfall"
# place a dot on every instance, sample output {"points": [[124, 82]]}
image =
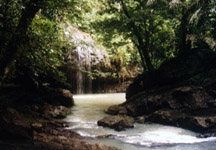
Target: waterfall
{"points": [[81, 58]]}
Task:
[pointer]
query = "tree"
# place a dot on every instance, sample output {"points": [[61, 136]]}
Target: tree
{"points": [[16, 22], [19, 38], [192, 17], [144, 25], [154, 29]]}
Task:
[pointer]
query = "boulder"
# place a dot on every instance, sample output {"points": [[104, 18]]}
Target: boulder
{"points": [[118, 123], [105, 136], [181, 92], [37, 125], [183, 98], [116, 109], [182, 119], [26, 122], [62, 140], [190, 107], [58, 97], [58, 112], [206, 135], [141, 119], [194, 66]]}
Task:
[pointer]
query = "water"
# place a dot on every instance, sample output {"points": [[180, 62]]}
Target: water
{"points": [[90, 108], [82, 57]]}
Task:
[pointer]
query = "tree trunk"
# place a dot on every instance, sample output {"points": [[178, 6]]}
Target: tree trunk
{"points": [[141, 46], [141, 56], [6, 31], [146, 49], [183, 32], [19, 38]]}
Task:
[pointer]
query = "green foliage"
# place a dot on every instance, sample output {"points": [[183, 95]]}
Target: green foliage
{"points": [[135, 33], [165, 27], [153, 27], [44, 57], [196, 22], [125, 62]]}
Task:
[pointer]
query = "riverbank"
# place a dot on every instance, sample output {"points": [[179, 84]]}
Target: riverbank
{"points": [[32, 119], [180, 93]]}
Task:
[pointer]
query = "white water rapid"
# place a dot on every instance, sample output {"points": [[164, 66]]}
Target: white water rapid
{"points": [[90, 108]]}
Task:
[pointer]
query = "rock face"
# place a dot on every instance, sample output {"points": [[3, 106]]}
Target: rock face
{"points": [[182, 93], [28, 121], [185, 98], [190, 107], [58, 112], [184, 120], [192, 67], [42, 135], [83, 54], [119, 123], [57, 97], [114, 110]]}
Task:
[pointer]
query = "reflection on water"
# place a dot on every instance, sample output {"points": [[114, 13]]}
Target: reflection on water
{"points": [[90, 108]]}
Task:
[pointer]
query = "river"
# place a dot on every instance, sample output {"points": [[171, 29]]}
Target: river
{"points": [[90, 108]]}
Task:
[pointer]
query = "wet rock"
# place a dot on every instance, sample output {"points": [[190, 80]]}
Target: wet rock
{"points": [[105, 136], [131, 109], [182, 98], [37, 125], [116, 109], [141, 119], [189, 107], [58, 123], [58, 112], [68, 102], [27, 117], [118, 123], [47, 141], [58, 97], [188, 68], [181, 92], [51, 137], [206, 135], [182, 119]]}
